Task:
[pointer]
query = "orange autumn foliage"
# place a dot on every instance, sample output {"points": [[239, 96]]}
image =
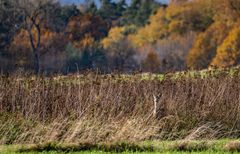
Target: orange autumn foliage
{"points": [[86, 25], [205, 46], [228, 53]]}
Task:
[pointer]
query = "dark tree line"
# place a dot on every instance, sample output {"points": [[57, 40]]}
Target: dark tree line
{"points": [[25, 25]]}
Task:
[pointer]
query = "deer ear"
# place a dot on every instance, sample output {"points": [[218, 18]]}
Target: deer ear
{"points": [[159, 96]]}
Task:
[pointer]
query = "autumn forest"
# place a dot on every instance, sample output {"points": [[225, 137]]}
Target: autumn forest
{"points": [[145, 35]]}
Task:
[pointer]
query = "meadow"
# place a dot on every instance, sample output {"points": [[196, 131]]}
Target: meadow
{"points": [[146, 147], [131, 113]]}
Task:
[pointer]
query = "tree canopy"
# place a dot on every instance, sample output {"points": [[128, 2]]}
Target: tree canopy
{"points": [[144, 35]]}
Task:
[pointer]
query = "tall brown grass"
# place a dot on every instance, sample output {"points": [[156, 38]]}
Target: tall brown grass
{"points": [[97, 108]]}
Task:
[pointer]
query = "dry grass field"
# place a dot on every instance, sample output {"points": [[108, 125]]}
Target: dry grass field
{"points": [[97, 109]]}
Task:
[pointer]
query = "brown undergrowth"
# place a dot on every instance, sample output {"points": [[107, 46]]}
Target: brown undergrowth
{"points": [[99, 108]]}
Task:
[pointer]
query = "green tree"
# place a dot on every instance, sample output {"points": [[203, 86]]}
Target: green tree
{"points": [[139, 11], [92, 8], [59, 15], [10, 22], [109, 11], [68, 11], [121, 6]]}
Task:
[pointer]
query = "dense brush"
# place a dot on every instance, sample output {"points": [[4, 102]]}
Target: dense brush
{"points": [[95, 108]]}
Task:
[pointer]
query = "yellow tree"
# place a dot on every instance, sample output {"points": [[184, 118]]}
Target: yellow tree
{"points": [[205, 46], [119, 51], [177, 18], [157, 29], [85, 29], [228, 54], [226, 10], [115, 35], [21, 47], [189, 16], [34, 13], [118, 34]]}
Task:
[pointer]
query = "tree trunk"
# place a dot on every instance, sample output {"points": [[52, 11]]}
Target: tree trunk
{"points": [[36, 61], [35, 48]]}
